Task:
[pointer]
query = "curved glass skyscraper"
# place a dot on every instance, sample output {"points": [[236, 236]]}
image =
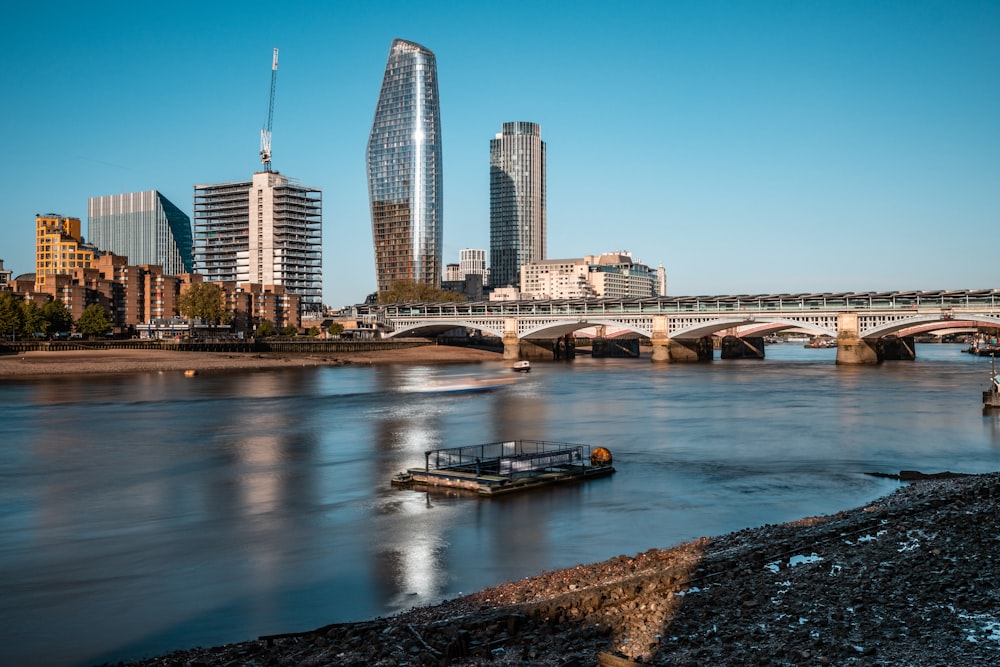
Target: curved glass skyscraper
{"points": [[404, 169]]}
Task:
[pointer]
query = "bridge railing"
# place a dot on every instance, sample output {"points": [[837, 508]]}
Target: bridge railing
{"points": [[980, 301]]}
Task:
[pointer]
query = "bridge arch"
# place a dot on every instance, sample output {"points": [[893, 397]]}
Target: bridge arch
{"points": [[919, 321], [424, 328], [557, 329], [749, 326]]}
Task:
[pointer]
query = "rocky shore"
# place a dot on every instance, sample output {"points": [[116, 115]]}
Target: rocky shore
{"points": [[908, 580]]}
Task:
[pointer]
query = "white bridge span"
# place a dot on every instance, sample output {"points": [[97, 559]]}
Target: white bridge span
{"points": [[674, 325]]}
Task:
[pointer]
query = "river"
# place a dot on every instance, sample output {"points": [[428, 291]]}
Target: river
{"points": [[150, 512]]}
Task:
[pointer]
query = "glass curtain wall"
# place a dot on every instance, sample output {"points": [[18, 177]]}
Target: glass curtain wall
{"points": [[404, 169]]}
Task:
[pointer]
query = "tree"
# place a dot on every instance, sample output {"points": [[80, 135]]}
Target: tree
{"points": [[58, 317], [11, 315], [33, 322], [403, 291], [290, 330], [265, 329], [313, 331], [94, 321], [204, 301], [335, 329]]}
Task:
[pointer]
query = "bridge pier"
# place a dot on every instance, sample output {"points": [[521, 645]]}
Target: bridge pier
{"points": [[511, 343], [515, 349], [851, 348], [667, 349]]}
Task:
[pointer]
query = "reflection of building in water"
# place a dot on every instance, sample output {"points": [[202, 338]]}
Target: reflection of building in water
{"points": [[516, 416], [417, 531], [409, 554], [264, 486]]}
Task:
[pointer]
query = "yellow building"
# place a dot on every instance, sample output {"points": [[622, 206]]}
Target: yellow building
{"points": [[59, 247]]}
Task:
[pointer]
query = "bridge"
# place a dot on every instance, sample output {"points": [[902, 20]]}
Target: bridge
{"points": [[681, 328]]}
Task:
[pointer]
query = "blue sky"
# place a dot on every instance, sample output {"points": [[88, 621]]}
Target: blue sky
{"points": [[749, 147]]}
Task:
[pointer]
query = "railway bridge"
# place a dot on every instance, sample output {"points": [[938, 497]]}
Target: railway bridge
{"points": [[681, 328]]}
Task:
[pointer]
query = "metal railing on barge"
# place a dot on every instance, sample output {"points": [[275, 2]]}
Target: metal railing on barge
{"points": [[509, 458]]}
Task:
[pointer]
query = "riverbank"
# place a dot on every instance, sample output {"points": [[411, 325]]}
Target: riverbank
{"points": [[906, 580], [42, 363]]}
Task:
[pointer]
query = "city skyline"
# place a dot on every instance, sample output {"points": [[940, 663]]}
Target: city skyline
{"points": [[749, 148]]}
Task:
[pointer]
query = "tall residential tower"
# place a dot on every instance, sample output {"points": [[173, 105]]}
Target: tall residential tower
{"points": [[404, 169], [267, 231], [143, 226], [517, 201]]}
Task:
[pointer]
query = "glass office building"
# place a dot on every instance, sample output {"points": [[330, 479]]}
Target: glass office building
{"points": [[404, 169], [266, 231], [143, 226], [517, 201]]}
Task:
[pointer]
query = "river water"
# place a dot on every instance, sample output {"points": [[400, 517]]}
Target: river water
{"points": [[150, 512]]}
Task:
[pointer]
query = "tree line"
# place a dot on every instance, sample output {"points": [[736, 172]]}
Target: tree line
{"points": [[21, 318]]}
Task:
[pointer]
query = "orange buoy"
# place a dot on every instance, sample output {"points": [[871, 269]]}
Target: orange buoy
{"points": [[600, 456]]}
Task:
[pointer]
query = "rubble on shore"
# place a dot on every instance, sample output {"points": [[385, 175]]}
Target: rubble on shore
{"points": [[909, 579]]}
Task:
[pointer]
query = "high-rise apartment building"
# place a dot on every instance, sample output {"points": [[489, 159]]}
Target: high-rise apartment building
{"points": [[404, 169], [143, 226], [472, 261], [517, 201], [59, 247], [266, 231]]}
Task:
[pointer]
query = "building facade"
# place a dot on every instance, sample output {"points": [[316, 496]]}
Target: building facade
{"points": [[265, 231], [6, 277], [612, 275], [59, 248], [404, 169], [472, 261], [517, 201], [143, 226]]}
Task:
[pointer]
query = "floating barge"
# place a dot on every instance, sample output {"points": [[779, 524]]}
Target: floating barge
{"points": [[504, 467]]}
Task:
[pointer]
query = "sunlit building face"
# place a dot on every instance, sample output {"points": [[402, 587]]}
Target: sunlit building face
{"points": [[404, 169]]}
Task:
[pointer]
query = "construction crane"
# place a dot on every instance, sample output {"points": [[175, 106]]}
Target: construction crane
{"points": [[265, 134]]}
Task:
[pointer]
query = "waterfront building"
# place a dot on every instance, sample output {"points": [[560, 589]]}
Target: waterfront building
{"points": [[404, 169], [6, 277], [612, 275], [266, 231], [59, 247], [517, 201], [452, 273], [145, 226]]}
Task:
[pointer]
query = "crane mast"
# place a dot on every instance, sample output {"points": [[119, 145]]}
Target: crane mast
{"points": [[265, 134]]}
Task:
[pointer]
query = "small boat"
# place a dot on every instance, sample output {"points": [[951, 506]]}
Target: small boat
{"points": [[522, 366], [460, 385]]}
